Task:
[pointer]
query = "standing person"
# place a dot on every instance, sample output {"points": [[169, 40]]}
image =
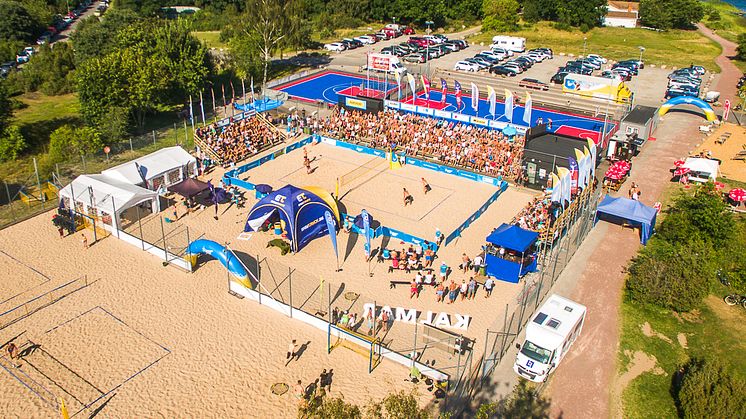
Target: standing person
{"points": [[175, 213], [61, 230], [465, 262], [300, 392], [292, 351], [425, 186], [428, 257], [488, 285], [439, 292], [464, 289], [477, 263], [472, 288], [407, 197], [84, 240], [307, 164], [414, 289], [443, 271], [452, 291], [371, 323], [385, 320]]}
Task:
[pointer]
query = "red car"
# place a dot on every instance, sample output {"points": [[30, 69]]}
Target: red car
{"points": [[409, 31]]}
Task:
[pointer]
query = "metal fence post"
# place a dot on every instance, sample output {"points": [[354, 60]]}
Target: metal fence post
{"points": [[38, 184], [176, 134], [290, 278], [153, 137], [139, 223], [10, 202], [131, 148], [163, 234]]}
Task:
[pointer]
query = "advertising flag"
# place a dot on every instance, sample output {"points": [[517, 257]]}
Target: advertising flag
{"points": [[580, 157], [492, 97], [574, 169], [202, 107], [556, 188], [587, 158], [475, 97], [330, 225], [398, 83], [565, 180], [457, 91], [191, 110], [592, 147], [410, 79], [366, 230], [426, 86], [509, 105], [527, 110], [444, 86]]}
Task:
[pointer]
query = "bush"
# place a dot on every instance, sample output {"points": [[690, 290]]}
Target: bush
{"points": [[524, 402], [676, 276], [708, 391], [703, 216], [12, 144]]}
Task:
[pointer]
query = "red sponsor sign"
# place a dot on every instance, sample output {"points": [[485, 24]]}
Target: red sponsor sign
{"points": [[379, 62]]}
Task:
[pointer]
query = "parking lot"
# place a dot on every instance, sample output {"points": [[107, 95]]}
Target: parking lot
{"points": [[648, 86]]}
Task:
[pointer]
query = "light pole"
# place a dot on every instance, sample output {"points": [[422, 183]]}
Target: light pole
{"points": [[642, 49], [394, 18], [427, 49], [585, 39]]}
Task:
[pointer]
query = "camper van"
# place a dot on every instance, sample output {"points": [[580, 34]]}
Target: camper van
{"points": [[385, 63], [510, 43], [549, 335]]}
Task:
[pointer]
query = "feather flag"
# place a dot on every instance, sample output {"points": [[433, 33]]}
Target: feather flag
{"points": [[556, 188], [412, 82], [202, 107], [426, 86], [580, 157], [457, 91], [509, 105], [527, 110], [398, 83], [574, 173], [566, 182], [444, 86], [331, 227], [191, 110], [592, 147], [475, 97], [587, 158], [492, 97]]}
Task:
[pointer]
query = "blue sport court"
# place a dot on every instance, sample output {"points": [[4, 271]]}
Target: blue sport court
{"points": [[328, 85]]}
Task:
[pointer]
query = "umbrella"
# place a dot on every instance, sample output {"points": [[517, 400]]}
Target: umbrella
{"points": [[679, 163], [263, 188], [681, 171], [719, 185], [614, 175], [738, 194], [510, 131]]}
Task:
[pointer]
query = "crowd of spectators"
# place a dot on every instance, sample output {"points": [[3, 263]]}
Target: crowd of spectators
{"points": [[461, 145], [537, 215], [239, 140]]}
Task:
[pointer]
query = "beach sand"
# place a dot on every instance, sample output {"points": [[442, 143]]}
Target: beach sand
{"points": [[148, 340]]}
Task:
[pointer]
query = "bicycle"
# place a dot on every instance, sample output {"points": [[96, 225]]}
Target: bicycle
{"points": [[734, 299]]}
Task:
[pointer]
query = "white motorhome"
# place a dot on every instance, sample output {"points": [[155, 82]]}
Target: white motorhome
{"points": [[549, 335], [511, 43], [385, 63]]}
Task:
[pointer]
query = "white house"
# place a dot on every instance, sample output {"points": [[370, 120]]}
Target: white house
{"points": [[623, 14]]}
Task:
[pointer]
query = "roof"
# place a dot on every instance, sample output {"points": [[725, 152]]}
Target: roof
{"points": [[629, 209], [703, 165], [153, 165], [630, 6], [622, 15], [640, 115], [549, 334], [189, 187], [512, 237], [105, 193]]}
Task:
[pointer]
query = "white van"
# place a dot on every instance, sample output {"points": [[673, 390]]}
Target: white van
{"points": [[511, 43], [549, 335]]}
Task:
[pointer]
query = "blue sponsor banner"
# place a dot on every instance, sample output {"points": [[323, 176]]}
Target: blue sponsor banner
{"points": [[453, 171], [224, 122], [359, 148], [391, 104], [474, 217]]}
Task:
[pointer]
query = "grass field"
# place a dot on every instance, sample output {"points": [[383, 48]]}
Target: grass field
{"points": [[673, 48], [730, 24], [211, 39], [714, 330]]}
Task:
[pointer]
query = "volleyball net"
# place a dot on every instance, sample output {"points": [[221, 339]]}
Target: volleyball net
{"points": [[373, 166]]}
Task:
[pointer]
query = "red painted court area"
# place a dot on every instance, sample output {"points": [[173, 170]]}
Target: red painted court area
{"points": [[425, 102], [361, 91]]}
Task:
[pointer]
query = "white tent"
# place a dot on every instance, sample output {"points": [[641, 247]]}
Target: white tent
{"points": [[702, 169], [105, 198], [164, 167]]}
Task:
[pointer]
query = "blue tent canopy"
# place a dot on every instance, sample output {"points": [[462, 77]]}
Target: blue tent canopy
{"points": [[301, 210], [638, 214], [513, 237]]}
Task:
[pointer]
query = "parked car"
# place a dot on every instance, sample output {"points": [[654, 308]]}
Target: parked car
{"points": [[699, 69], [408, 31], [366, 40], [335, 46], [609, 74], [501, 70], [351, 43], [506, 52], [673, 92], [466, 66], [479, 63], [44, 39], [597, 58], [639, 63], [545, 51], [533, 84], [559, 77], [415, 58], [22, 58], [536, 56], [512, 65]]}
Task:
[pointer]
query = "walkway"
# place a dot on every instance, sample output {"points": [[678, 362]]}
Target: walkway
{"points": [[583, 383], [729, 75]]}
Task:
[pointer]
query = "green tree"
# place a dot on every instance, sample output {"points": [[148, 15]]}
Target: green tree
{"points": [[325, 408], [50, 70], [585, 14], [11, 144], [524, 402], [675, 276], [400, 405], [654, 13], [67, 142], [95, 38], [741, 49], [500, 15], [668, 14], [702, 216], [6, 112], [708, 390], [16, 22]]}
